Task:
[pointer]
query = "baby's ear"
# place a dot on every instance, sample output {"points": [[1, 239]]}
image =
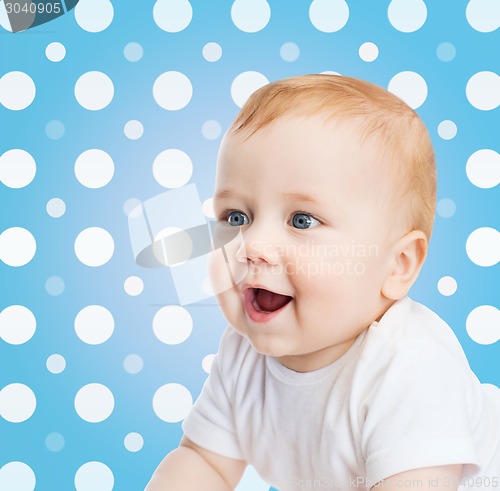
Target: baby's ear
{"points": [[409, 255]]}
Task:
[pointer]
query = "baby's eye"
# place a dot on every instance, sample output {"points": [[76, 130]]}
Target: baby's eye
{"points": [[236, 218], [304, 221]]}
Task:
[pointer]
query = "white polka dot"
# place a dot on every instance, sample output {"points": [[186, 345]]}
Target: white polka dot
{"points": [[208, 208], [17, 476], [4, 20], [54, 285], [212, 52], [17, 246], [483, 15], [172, 168], [483, 246], [245, 84], [133, 129], [94, 15], [483, 90], [133, 52], [94, 246], [133, 442], [130, 205], [94, 324], [56, 207], [446, 208], [17, 324], [407, 15], [250, 15], [94, 168], [17, 403], [410, 87], [172, 90], [54, 442], [172, 324], [94, 403], [447, 286], [483, 324], [133, 286], [289, 52], [483, 168], [133, 364], [17, 90], [94, 90], [172, 253], [447, 129], [179, 254], [172, 15], [94, 476], [211, 130], [137, 211], [368, 52], [172, 402], [446, 52], [329, 15], [55, 52], [54, 130], [17, 168], [206, 363], [330, 72], [56, 364]]}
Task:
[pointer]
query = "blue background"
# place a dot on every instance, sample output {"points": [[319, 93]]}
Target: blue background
{"points": [[133, 178]]}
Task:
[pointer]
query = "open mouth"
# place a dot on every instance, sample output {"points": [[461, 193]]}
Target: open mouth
{"points": [[268, 301]]}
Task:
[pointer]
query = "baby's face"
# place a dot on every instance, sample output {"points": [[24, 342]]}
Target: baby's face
{"points": [[312, 206]]}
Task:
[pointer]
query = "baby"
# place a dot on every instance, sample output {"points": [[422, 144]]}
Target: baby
{"points": [[329, 375]]}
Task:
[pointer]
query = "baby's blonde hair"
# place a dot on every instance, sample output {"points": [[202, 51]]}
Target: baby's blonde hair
{"points": [[399, 134]]}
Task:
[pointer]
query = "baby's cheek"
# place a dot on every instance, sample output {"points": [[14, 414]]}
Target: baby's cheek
{"points": [[225, 271], [312, 275], [217, 270], [373, 264], [327, 267], [231, 306]]}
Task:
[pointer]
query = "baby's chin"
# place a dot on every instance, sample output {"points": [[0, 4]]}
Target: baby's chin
{"points": [[265, 344]]}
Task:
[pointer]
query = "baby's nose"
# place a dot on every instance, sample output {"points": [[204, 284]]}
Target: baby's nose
{"points": [[259, 247]]}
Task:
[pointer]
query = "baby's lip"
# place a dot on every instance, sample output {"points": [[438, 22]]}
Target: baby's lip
{"points": [[248, 286], [263, 309]]}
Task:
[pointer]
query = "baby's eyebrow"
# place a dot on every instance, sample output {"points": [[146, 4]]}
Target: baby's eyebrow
{"points": [[227, 193], [301, 197]]}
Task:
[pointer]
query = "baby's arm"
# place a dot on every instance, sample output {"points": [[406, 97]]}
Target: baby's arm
{"points": [[191, 468]]}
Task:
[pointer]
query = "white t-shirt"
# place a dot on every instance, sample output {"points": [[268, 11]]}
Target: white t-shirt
{"points": [[402, 397]]}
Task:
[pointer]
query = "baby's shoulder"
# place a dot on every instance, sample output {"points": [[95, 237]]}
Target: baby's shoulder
{"points": [[410, 329], [411, 339]]}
